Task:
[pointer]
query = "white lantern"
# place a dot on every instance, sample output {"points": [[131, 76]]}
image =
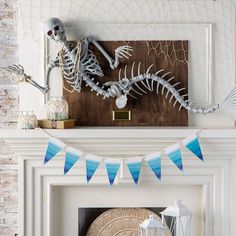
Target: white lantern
{"points": [[152, 227], [179, 218]]}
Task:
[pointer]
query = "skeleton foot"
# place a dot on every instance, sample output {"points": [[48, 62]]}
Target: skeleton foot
{"points": [[121, 52]]}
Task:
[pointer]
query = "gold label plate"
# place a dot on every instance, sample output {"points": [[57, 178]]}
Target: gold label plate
{"points": [[121, 115]]}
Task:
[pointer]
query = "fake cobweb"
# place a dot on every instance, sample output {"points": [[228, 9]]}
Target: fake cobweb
{"points": [[219, 13], [34, 12]]}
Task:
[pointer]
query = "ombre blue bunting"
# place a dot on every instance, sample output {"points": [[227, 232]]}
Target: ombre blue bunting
{"points": [[154, 163], [112, 167], [192, 144], [54, 146], [72, 156], [134, 166], [92, 163], [174, 154]]}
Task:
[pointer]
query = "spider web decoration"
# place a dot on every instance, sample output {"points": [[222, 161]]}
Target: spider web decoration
{"points": [[33, 12], [221, 12], [212, 63]]}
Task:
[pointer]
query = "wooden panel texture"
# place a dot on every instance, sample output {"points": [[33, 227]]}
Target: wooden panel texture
{"points": [[151, 109]]}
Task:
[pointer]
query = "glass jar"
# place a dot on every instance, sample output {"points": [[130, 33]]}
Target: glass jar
{"points": [[27, 120], [57, 109]]}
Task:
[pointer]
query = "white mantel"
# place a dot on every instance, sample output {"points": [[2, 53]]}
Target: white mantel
{"points": [[216, 176]]}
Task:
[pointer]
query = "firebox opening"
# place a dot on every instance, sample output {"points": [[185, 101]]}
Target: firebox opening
{"points": [[88, 215]]}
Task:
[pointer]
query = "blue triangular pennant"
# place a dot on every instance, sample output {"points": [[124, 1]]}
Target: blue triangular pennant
{"points": [[154, 162], [72, 156], [174, 154], [112, 166], [92, 163], [192, 144], [134, 166], [54, 146]]}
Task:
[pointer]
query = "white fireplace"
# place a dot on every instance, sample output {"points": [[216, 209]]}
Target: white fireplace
{"points": [[49, 202]]}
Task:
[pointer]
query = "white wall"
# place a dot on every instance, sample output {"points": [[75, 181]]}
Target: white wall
{"points": [[212, 49]]}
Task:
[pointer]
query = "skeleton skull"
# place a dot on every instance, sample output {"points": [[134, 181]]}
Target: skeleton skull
{"points": [[53, 28]]}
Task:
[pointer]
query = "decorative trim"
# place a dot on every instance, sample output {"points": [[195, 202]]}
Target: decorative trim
{"points": [[216, 175]]}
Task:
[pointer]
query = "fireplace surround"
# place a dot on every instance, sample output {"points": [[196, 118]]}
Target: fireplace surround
{"points": [[48, 200]]}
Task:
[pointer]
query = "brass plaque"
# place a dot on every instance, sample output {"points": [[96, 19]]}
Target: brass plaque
{"points": [[121, 115]]}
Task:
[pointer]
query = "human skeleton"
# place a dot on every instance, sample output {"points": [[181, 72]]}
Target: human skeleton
{"points": [[80, 64]]}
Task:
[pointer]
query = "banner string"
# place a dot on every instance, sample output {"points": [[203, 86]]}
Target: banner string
{"points": [[133, 164], [162, 150], [127, 158]]}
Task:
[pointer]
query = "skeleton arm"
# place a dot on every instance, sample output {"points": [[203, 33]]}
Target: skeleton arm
{"points": [[120, 52], [51, 65], [23, 77]]}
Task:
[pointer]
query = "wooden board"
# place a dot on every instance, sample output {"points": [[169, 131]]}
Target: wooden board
{"points": [[60, 124], [148, 110]]}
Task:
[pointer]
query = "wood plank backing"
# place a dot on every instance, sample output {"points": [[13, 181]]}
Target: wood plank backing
{"points": [[151, 109]]}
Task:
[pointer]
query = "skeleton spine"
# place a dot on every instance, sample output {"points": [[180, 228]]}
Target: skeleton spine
{"points": [[95, 87], [170, 89]]}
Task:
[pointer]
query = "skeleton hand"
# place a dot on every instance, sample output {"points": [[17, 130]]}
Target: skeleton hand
{"points": [[121, 52], [23, 77], [19, 70]]}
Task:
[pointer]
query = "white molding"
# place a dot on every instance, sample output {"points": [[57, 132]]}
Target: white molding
{"points": [[85, 134], [216, 175]]}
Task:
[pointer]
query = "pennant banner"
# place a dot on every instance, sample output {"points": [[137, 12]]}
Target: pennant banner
{"points": [[134, 166], [54, 146], [113, 164], [112, 167], [192, 144], [174, 154], [72, 156], [154, 162], [92, 163]]}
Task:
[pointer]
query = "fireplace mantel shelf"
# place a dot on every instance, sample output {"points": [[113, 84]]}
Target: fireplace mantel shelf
{"points": [[114, 132]]}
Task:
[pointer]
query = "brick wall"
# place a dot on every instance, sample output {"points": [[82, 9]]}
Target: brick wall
{"points": [[8, 116]]}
